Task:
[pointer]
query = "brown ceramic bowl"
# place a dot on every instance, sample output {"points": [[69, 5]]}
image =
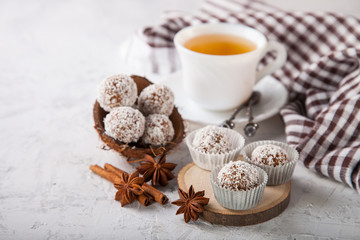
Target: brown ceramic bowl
{"points": [[138, 150]]}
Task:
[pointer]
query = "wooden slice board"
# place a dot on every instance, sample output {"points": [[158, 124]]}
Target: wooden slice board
{"points": [[274, 201]]}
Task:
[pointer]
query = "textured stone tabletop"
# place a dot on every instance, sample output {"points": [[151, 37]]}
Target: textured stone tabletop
{"points": [[53, 54]]}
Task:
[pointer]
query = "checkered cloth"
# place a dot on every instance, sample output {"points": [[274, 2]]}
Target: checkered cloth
{"points": [[322, 74]]}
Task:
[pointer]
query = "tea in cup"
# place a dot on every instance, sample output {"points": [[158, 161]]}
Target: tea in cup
{"points": [[219, 63]]}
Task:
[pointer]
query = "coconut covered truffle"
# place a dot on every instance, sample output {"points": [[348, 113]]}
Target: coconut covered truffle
{"points": [[125, 124], [156, 99], [239, 176], [270, 155], [116, 91], [212, 139], [158, 130]]}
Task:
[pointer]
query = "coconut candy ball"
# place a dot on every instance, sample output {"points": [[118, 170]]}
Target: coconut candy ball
{"points": [[238, 176], [117, 91], [125, 124], [158, 130], [269, 154], [213, 140], [156, 99]]}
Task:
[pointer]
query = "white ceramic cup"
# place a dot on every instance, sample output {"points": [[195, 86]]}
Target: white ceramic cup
{"points": [[223, 82]]}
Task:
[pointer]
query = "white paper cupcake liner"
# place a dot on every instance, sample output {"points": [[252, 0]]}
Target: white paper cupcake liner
{"points": [[209, 161], [238, 200], [277, 175]]}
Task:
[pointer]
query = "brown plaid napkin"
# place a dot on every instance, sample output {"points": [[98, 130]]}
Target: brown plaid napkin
{"points": [[322, 74]]}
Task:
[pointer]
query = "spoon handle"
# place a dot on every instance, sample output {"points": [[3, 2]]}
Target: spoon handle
{"points": [[249, 112], [251, 127], [229, 123]]}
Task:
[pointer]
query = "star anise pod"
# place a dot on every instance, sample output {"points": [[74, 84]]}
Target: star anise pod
{"points": [[128, 187], [191, 203], [158, 172]]}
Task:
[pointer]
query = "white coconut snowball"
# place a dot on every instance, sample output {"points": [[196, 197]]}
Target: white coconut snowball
{"points": [[238, 176], [212, 139], [117, 91], [156, 99], [269, 154], [158, 130], [125, 124]]}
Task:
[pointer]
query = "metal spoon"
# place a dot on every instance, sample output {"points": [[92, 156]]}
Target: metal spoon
{"points": [[251, 127], [254, 99]]}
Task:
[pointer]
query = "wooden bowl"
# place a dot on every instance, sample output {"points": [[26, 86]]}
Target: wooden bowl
{"points": [[138, 150]]}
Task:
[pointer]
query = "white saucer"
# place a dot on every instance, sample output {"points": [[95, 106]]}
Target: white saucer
{"points": [[274, 96]]}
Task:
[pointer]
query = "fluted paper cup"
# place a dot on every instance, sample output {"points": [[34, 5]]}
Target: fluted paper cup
{"points": [[277, 175], [209, 161], [241, 199]]}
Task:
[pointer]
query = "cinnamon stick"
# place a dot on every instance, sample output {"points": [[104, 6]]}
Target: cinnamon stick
{"points": [[145, 199], [156, 194], [110, 176], [113, 169]]}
